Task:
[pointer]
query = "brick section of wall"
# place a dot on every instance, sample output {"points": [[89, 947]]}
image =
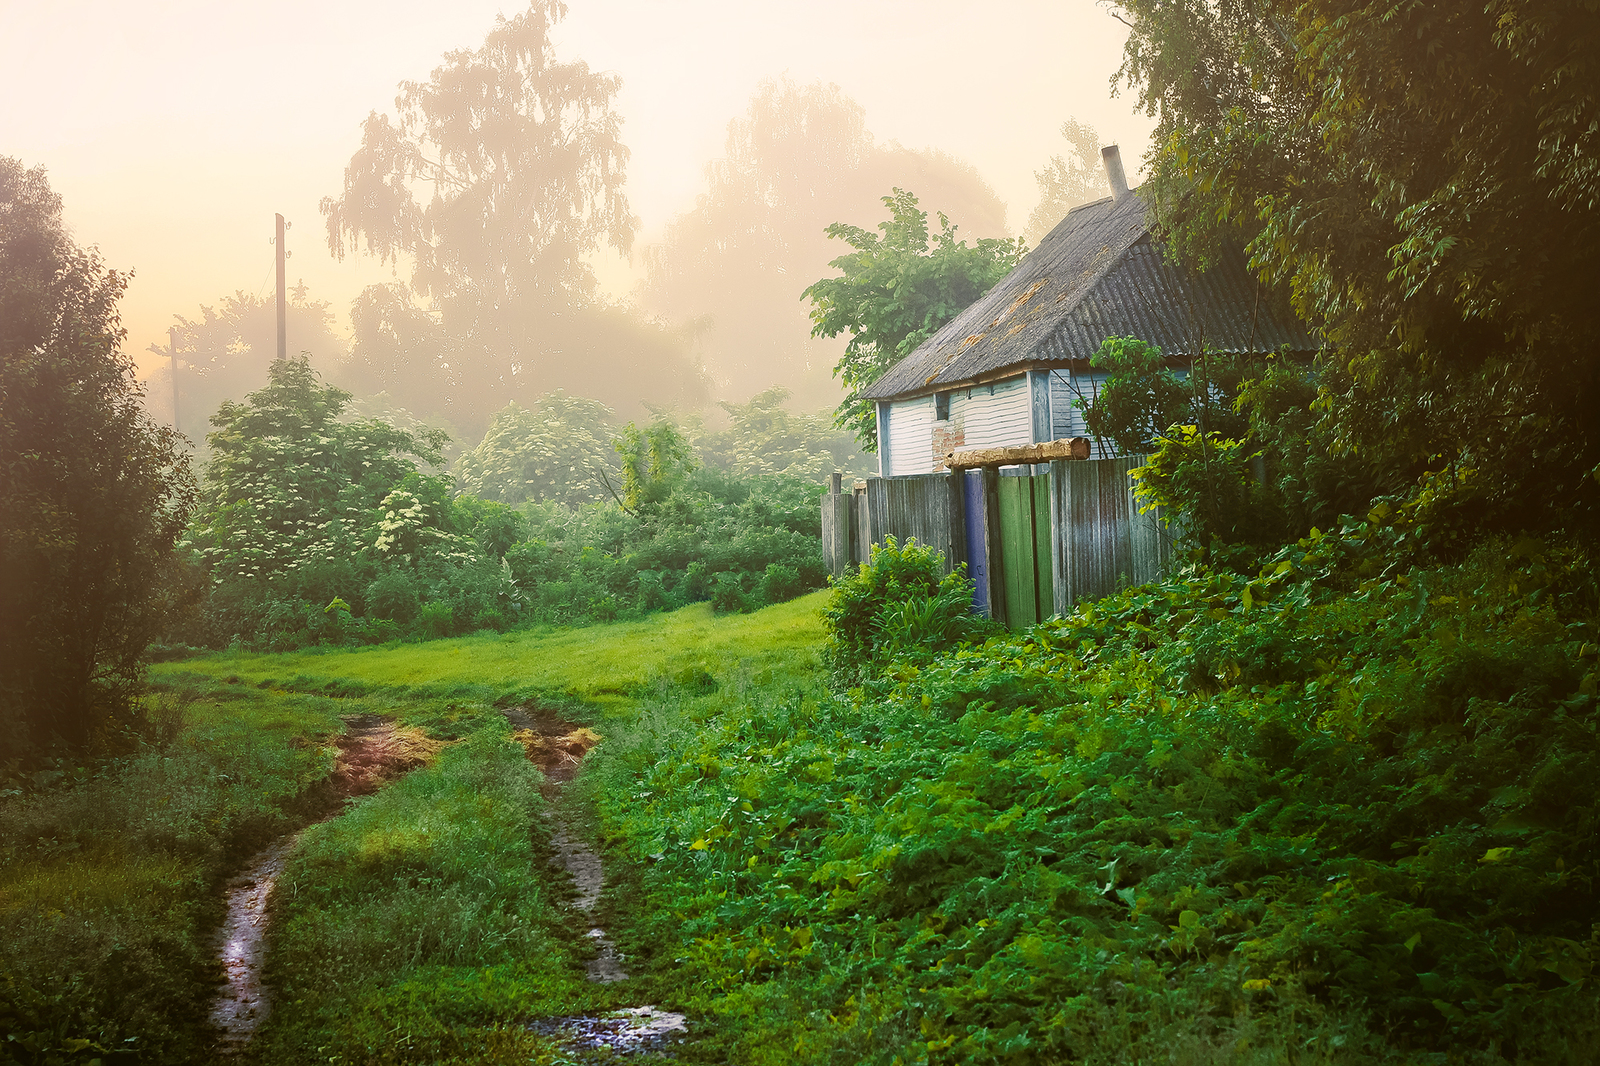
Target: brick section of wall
{"points": [[948, 436]]}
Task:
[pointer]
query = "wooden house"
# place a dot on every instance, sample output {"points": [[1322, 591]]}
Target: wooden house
{"points": [[1007, 370]]}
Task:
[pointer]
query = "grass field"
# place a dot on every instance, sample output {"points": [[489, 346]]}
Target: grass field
{"points": [[603, 667], [426, 910]]}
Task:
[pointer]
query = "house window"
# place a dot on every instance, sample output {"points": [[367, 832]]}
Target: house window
{"points": [[941, 406]]}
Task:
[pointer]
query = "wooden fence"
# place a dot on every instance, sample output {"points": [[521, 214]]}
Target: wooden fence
{"points": [[1036, 538]]}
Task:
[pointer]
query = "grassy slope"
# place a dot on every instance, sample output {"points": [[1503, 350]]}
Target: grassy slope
{"points": [[1342, 814]]}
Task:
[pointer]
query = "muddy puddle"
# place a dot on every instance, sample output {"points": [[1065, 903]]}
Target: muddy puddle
{"points": [[558, 747], [620, 1031], [372, 752]]}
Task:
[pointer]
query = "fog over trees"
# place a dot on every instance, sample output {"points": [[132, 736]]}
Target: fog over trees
{"points": [[800, 159], [497, 181]]}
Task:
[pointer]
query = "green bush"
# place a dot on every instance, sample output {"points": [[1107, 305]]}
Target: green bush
{"points": [[436, 619], [394, 596], [901, 605]]}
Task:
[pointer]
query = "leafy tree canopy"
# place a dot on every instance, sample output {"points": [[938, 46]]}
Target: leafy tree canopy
{"points": [[93, 494], [1424, 177], [558, 449], [520, 163], [224, 353], [763, 438], [291, 485], [895, 291], [656, 461], [501, 174], [1141, 399]]}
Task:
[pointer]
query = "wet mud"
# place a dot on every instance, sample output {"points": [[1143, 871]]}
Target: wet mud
{"points": [[372, 752], [558, 748]]}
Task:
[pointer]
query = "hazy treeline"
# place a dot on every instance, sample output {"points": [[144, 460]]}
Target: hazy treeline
{"points": [[501, 174]]}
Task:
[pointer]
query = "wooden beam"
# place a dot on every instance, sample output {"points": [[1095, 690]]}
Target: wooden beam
{"points": [[1069, 448]]}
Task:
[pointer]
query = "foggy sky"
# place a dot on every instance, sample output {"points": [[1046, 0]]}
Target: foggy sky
{"points": [[175, 128]]}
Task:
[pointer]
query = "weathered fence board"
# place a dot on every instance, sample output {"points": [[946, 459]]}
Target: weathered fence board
{"points": [[838, 513], [1017, 550], [1104, 543], [926, 507], [977, 539], [1035, 541]]}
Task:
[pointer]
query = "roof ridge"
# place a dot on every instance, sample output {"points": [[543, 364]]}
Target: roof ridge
{"points": [[994, 297]]}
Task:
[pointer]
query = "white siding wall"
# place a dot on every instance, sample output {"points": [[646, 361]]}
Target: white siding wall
{"points": [[910, 437], [994, 416]]}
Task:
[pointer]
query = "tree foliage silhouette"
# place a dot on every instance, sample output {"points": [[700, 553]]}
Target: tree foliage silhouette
{"points": [[501, 173], [1424, 178], [93, 494], [799, 159]]}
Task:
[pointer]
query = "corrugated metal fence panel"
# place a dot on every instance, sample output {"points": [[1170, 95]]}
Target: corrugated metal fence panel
{"points": [[911, 437], [1106, 544], [923, 508], [1038, 541]]}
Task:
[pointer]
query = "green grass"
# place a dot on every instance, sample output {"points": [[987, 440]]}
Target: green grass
{"points": [[1338, 814], [603, 667], [424, 925], [109, 883]]}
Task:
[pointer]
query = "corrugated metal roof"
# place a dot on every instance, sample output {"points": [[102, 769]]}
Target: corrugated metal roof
{"points": [[1097, 274]]}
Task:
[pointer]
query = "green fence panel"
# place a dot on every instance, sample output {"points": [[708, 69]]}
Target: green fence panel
{"points": [[1017, 551]]}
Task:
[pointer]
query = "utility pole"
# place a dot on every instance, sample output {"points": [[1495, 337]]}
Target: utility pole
{"points": [[283, 303], [172, 348]]}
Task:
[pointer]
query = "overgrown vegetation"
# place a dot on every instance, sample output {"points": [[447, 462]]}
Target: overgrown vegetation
{"points": [[1333, 811], [1421, 177], [901, 610], [318, 529]]}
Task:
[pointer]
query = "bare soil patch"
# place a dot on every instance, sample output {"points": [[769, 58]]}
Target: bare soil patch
{"points": [[555, 745]]}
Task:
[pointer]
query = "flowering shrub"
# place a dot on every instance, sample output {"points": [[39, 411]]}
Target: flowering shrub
{"points": [[303, 509]]}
